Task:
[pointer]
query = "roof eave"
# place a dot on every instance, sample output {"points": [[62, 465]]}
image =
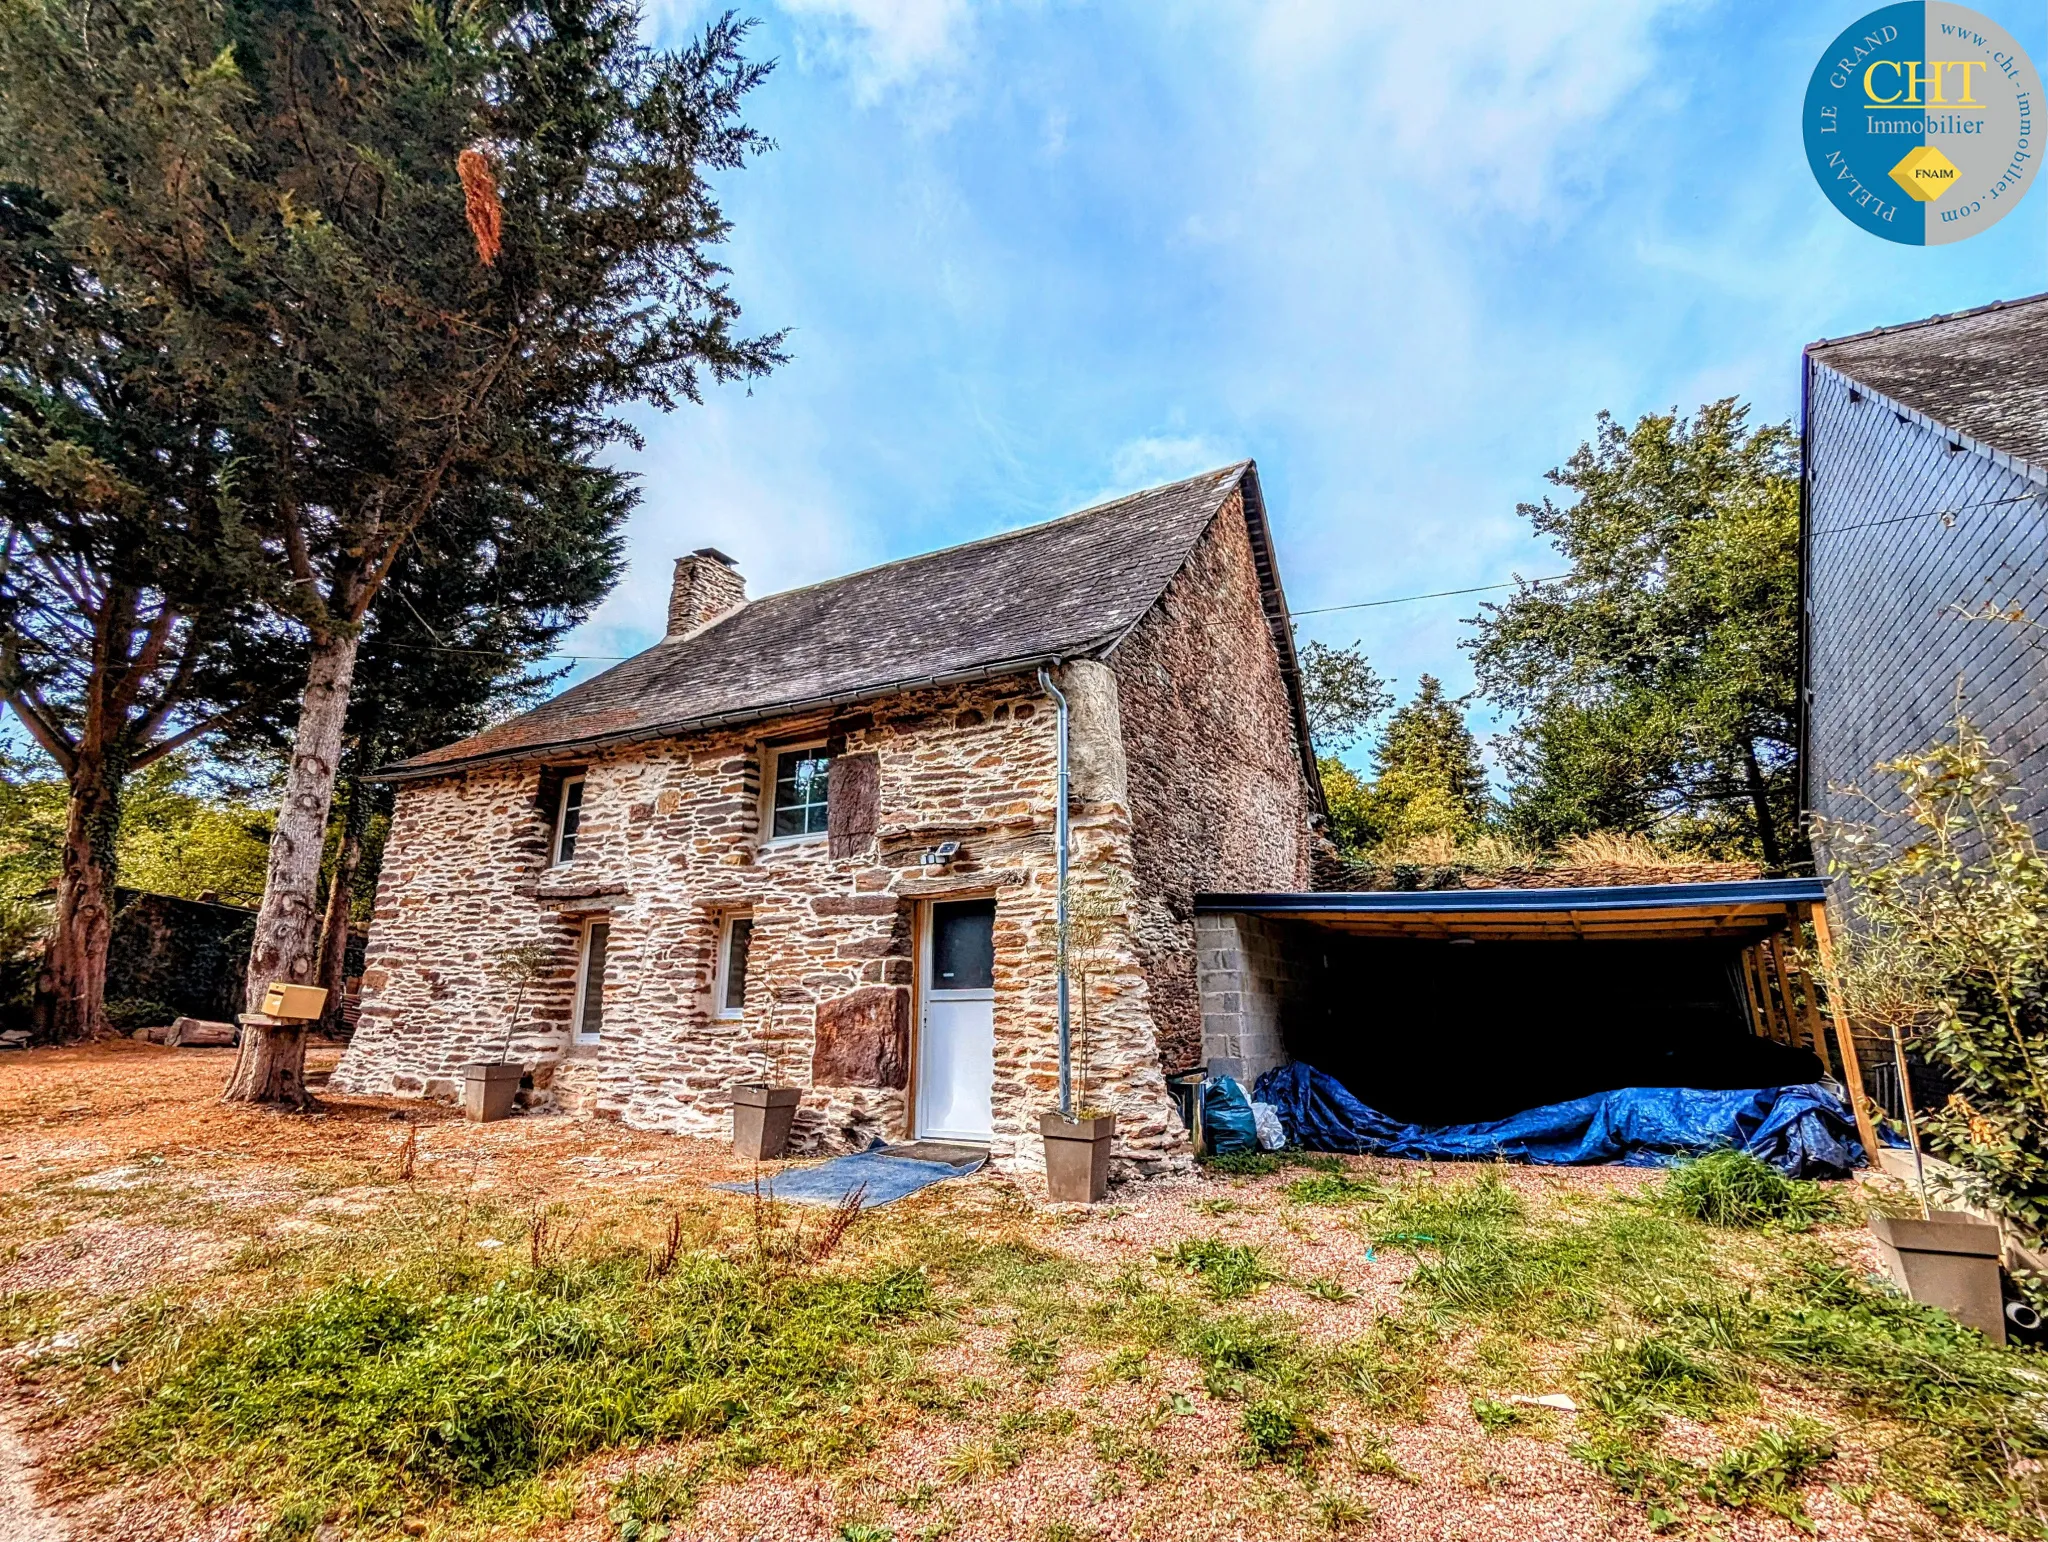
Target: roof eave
{"points": [[404, 771]]}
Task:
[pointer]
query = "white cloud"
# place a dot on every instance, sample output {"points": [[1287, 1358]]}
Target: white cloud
{"points": [[1156, 458], [1471, 101], [888, 43]]}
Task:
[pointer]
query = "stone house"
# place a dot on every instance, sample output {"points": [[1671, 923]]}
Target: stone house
{"points": [[809, 839]]}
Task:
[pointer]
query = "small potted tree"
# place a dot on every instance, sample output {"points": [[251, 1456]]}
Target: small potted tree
{"points": [[490, 1087], [1950, 953], [1077, 1144], [763, 1111]]}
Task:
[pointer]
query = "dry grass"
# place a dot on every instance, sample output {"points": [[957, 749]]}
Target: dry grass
{"points": [[1203, 1358]]}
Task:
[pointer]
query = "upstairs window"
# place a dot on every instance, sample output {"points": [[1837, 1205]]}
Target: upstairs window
{"points": [[735, 941], [799, 806], [568, 817]]}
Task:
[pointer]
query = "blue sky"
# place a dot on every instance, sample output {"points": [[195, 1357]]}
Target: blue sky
{"points": [[1037, 254]]}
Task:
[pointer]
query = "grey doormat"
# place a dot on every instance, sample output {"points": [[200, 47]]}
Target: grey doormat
{"points": [[879, 1175]]}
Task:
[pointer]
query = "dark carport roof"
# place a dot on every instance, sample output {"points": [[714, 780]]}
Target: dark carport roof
{"points": [[1735, 908]]}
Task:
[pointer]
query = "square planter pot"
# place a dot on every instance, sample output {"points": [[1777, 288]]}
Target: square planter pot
{"points": [[1077, 1156], [761, 1117], [1949, 1261], [488, 1088]]}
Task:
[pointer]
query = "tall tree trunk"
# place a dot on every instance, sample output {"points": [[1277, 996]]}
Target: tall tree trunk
{"points": [[1760, 801], [272, 1066], [334, 925], [71, 987]]}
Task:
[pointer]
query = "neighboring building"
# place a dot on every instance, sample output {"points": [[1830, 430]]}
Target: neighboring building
{"points": [[1926, 549], [809, 839]]}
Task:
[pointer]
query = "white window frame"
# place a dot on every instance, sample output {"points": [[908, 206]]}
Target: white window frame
{"points": [[722, 964], [771, 762], [562, 817], [576, 1033]]}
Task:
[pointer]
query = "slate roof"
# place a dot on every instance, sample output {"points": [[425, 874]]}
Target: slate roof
{"points": [[1983, 372], [1072, 587]]}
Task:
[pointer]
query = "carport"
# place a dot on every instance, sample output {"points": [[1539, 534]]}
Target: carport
{"points": [[1454, 1006]]}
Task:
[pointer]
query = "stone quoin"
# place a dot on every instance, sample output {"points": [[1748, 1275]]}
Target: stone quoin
{"points": [[765, 849]]}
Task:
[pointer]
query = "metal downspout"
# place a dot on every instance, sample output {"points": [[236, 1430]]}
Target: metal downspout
{"points": [[1060, 902]]}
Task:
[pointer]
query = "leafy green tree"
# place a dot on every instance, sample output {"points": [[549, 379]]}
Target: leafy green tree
{"points": [[407, 248], [1658, 682], [1344, 694]]}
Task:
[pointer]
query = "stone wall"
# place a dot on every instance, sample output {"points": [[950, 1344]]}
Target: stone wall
{"points": [[1219, 800], [1256, 977], [670, 844], [1911, 535]]}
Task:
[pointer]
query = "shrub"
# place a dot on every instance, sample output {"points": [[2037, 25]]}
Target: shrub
{"points": [[1733, 1188], [1951, 952], [128, 1013]]}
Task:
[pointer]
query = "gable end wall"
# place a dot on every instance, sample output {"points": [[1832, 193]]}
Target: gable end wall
{"points": [[1218, 798]]}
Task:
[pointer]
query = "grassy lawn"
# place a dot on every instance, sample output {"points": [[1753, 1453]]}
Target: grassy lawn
{"points": [[226, 1324]]}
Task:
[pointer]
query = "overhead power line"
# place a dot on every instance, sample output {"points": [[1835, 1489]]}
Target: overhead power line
{"points": [[1434, 594]]}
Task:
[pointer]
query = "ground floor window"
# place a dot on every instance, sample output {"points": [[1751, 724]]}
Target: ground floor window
{"points": [[597, 936], [735, 941]]}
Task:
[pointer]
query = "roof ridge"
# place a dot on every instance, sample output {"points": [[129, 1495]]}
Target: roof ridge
{"points": [[1928, 321], [990, 540]]}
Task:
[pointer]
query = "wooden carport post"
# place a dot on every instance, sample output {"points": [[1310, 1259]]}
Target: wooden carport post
{"points": [[1852, 1069]]}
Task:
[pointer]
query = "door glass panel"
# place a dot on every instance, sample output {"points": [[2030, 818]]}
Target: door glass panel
{"points": [[591, 1023], [964, 946]]}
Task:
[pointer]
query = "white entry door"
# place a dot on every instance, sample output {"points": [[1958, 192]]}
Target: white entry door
{"points": [[956, 1060]]}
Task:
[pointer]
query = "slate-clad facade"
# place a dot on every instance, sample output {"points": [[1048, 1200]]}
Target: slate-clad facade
{"points": [[1161, 619], [1926, 549]]}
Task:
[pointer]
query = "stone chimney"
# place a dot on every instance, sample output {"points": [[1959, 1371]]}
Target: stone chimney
{"points": [[707, 586]]}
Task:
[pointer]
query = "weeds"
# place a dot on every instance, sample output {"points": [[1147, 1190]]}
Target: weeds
{"points": [[1496, 1417], [1227, 1270], [1733, 1188], [1279, 1430], [644, 1503], [1768, 1470], [672, 1244], [1340, 1512]]}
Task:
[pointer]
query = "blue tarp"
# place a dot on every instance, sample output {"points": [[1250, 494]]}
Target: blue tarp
{"points": [[880, 1176], [1804, 1131]]}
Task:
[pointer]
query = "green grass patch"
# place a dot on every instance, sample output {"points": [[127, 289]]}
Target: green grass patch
{"points": [[441, 1382], [1335, 1188], [1645, 1293], [1733, 1188]]}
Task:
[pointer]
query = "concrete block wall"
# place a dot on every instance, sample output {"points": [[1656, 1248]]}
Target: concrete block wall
{"points": [[1252, 980]]}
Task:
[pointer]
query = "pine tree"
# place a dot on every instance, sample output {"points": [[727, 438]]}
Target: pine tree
{"points": [[1427, 775], [406, 249]]}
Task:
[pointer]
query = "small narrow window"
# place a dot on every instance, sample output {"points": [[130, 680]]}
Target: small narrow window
{"points": [[735, 941], [800, 804], [597, 938], [568, 818]]}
